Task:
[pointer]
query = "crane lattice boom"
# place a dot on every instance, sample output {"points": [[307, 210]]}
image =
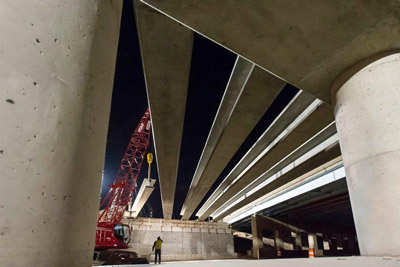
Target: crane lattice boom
{"points": [[122, 188]]}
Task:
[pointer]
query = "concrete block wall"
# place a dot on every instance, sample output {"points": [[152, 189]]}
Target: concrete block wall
{"points": [[183, 240]]}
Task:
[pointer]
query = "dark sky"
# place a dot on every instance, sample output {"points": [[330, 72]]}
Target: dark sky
{"points": [[210, 70], [129, 102]]}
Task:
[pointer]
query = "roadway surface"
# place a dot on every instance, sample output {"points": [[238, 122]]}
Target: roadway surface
{"points": [[325, 261]]}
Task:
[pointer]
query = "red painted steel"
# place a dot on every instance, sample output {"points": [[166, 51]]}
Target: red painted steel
{"points": [[110, 233]]}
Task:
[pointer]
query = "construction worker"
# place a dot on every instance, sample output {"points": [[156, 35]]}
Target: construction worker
{"points": [[157, 245]]}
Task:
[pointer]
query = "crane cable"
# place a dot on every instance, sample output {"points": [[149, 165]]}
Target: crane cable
{"points": [[150, 156]]}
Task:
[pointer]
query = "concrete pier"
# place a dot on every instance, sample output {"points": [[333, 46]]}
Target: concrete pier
{"points": [[367, 114], [57, 69]]}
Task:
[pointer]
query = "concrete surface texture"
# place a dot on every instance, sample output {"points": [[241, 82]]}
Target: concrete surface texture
{"points": [[321, 170], [169, 224], [57, 69], [309, 165], [317, 262], [236, 84], [298, 41], [321, 117], [299, 103], [166, 65], [233, 123], [281, 167], [367, 115], [182, 240]]}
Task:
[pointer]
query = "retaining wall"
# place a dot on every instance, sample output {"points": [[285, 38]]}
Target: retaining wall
{"points": [[183, 240]]}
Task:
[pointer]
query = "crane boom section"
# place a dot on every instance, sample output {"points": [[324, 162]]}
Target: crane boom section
{"points": [[124, 184]]}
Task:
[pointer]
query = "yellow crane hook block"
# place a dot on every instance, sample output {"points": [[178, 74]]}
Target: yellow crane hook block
{"points": [[149, 158]]}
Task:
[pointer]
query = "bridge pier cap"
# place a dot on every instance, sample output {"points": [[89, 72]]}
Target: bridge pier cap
{"points": [[366, 101]]}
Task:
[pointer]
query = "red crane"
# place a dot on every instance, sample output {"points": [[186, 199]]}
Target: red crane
{"points": [[110, 232]]}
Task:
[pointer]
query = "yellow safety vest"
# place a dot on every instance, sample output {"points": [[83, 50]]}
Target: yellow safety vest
{"points": [[158, 244]]}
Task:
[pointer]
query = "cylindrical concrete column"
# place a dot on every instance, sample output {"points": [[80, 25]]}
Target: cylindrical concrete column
{"points": [[367, 110], [57, 62]]}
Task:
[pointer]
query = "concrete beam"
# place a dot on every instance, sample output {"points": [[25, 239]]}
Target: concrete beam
{"points": [[320, 118], [333, 167], [166, 64], [299, 41], [314, 162], [313, 146], [248, 95], [142, 196], [237, 81], [296, 107]]}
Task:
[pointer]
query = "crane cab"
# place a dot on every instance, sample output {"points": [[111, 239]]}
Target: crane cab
{"points": [[122, 233], [112, 235]]}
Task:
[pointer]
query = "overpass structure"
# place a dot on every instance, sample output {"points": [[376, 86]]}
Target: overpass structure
{"points": [[343, 57]]}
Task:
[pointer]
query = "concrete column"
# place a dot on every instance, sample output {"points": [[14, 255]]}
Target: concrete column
{"points": [[57, 68], [312, 243], [326, 245], [339, 241], [257, 237], [297, 242], [367, 114], [333, 242], [278, 241]]}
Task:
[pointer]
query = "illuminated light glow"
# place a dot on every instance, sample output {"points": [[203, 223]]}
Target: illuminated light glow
{"points": [[311, 108], [320, 181], [282, 135], [331, 141], [267, 180], [208, 203], [230, 206]]}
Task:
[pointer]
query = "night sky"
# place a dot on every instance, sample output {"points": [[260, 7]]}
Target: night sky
{"points": [[210, 70]]}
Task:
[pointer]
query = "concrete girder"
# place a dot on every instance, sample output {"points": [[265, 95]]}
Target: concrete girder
{"points": [[320, 118], [308, 44], [237, 81], [248, 95], [312, 144], [340, 194], [239, 76], [314, 162], [166, 65], [141, 198], [333, 167], [296, 107]]}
